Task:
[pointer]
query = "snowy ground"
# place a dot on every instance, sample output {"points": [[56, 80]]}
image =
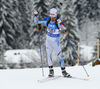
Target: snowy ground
{"points": [[27, 78]]}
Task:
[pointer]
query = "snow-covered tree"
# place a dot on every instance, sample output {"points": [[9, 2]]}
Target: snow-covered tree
{"points": [[94, 9], [84, 9], [79, 11], [16, 22], [25, 25], [72, 33], [55, 4], [23, 8], [6, 21]]}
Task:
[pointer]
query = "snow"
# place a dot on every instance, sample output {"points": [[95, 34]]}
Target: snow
{"points": [[28, 78], [86, 52]]}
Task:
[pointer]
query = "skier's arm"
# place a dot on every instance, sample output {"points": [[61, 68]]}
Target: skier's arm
{"points": [[44, 20], [61, 24], [39, 21]]}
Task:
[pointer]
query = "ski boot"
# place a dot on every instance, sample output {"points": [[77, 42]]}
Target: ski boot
{"points": [[65, 74], [51, 71]]}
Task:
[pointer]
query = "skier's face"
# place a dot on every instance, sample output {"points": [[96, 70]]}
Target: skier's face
{"points": [[53, 19]]}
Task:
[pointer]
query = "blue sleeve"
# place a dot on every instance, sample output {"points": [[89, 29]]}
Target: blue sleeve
{"points": [[44, 20]]}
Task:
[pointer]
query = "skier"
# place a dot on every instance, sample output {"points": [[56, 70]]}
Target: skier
{"points": [[54, 25]]}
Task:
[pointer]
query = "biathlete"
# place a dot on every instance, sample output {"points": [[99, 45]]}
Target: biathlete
{"points": [[54, 26]]}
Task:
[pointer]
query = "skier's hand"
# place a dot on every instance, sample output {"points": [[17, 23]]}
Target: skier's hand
{"points": [[36, 12], [59, 21]]}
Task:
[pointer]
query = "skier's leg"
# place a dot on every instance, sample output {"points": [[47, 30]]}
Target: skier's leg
{"points": [[49, 58], [57, 49], [49, 52], [61, 61]]}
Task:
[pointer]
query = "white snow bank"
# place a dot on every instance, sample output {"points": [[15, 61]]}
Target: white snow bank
{"points": [[27, 55]]}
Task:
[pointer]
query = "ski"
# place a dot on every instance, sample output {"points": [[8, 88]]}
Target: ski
{"points": [[86, 79], [77, 78], [56, 77], [48, 79]]}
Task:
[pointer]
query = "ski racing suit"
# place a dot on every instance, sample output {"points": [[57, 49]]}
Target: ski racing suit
{"points": [[52, 40]]}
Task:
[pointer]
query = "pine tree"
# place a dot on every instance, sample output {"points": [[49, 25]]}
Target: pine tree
{"points": [[23, 40], [55, 4], [6, 21], [85, 9], [79, 11], [23, 8], [68, 52], [16, 23], [94, 7]]}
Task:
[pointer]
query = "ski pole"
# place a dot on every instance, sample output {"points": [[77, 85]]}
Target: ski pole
{"points": [[75, 53], [40, 47]]}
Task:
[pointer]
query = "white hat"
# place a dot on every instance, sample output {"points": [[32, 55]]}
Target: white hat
{"points": [[53, 12]]}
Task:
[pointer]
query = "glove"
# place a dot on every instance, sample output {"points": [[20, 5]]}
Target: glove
{"points": [[59, 21], [36, 12]]}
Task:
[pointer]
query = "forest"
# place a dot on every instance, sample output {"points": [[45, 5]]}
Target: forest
{"points": [[18, 30]]}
